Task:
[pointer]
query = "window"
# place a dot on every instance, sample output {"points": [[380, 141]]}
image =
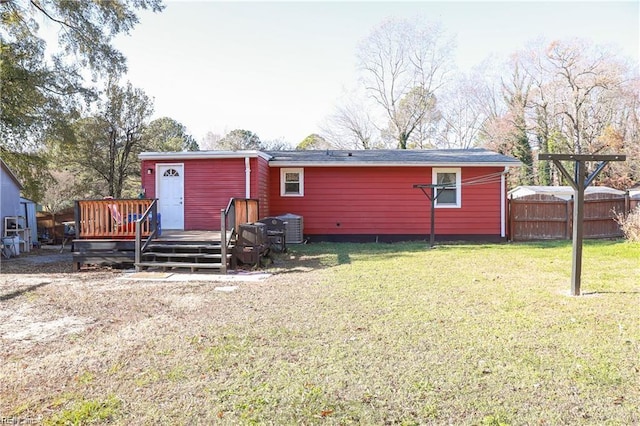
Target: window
{"points": [[171, 172], [450, 196], [292, 182]]}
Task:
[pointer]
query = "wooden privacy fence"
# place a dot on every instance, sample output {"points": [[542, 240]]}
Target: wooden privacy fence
{"points": [[110, 218], [551, 218]]}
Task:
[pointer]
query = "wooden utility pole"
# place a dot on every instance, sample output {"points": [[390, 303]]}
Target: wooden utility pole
{"points": [[580, 181]]}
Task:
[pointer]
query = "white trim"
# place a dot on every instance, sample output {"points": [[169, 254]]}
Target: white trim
{"points": [[158, 166], [280, 163], [12, 175], [503, 201], [247, 177], [193, 155], [283, 172], [434, 180]]}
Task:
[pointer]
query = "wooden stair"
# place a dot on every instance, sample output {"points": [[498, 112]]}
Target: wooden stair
{"points": [[194, 255]]}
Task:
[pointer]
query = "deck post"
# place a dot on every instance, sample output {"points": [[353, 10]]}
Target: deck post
{"points": [[138, 255], [76, 216], [223, 242]]}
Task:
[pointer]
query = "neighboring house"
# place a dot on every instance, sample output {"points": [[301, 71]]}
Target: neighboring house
{"points": [[362, 195], [10, 188]]}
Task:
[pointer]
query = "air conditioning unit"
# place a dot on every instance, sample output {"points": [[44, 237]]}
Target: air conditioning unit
{"points": [[295, 228]]}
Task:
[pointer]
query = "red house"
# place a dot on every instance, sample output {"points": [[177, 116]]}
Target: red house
{"points": [[341, 195]]}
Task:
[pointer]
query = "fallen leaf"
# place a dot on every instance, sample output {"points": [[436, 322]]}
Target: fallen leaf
{"points": [[326, 413]]}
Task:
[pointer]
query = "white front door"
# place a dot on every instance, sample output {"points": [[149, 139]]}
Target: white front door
{"points": [[170, 193]]}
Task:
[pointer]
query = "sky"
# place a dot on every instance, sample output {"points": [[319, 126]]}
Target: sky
{"points": [[279, 69]]}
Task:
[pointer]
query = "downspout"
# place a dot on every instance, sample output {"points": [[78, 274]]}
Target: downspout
{"points": [[247, 177], [503, 201]]}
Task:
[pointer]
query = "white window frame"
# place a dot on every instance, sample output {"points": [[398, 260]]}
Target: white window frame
{"points": [[434, 180], [283, 173]]}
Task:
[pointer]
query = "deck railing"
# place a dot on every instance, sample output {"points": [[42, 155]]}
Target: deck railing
{"points": [[146, 221], [238, 212], [223, 241], [112, 218]]}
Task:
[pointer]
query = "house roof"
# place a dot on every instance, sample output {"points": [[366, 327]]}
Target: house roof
{"points": [[196, 155], [10, 173], [563, 192], [391, 157], [354, 158]]}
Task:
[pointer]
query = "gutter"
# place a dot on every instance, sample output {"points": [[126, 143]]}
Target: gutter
{"points": [[503, 202], [277, 163], [198, 155], [247, 177]]}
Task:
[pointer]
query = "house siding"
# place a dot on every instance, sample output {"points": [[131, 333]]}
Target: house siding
{"points": [[9, 197], [208, 186], [382, 201], [260, 179], [148, 180]]}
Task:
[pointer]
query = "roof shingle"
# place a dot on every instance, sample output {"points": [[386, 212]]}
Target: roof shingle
{"points": [[448, 157]]}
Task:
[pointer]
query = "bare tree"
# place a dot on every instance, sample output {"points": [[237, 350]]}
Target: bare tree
{"points": [[210, 141], [516, 94], [61, 191], [568, 96], [622, 135], [401, 59], [350, 127], [581, 77], [462, 114]]}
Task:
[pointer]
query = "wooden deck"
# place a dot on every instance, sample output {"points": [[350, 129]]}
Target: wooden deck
{"points": [[128, 231], [122, 251]]}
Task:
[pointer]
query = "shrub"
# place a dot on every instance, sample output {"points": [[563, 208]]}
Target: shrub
{"points": [[630, 224]]}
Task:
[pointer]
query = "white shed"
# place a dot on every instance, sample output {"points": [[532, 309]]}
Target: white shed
{"points": [[564, 192]]}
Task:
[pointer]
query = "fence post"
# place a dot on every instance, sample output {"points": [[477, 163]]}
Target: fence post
{"points": [[568, 215], [510, 220]]}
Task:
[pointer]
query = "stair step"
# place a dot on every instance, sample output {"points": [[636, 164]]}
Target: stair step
{"points": [[185, 255], [180, 265], [185, 246]]}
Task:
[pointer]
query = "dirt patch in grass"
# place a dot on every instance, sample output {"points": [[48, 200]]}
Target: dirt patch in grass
{"points": [[340, 334]]}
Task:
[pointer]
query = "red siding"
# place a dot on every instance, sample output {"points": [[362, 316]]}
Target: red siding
{"points": [[208, 187], [374, 200], [338, 200], [148, 180], [260, 184]]}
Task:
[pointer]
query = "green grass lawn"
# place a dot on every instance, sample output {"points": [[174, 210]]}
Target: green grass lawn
{"points": [[372, 334], [477, 334]]}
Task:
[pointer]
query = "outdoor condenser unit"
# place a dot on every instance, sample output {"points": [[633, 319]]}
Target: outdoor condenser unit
{"points": [[295, 228]]}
